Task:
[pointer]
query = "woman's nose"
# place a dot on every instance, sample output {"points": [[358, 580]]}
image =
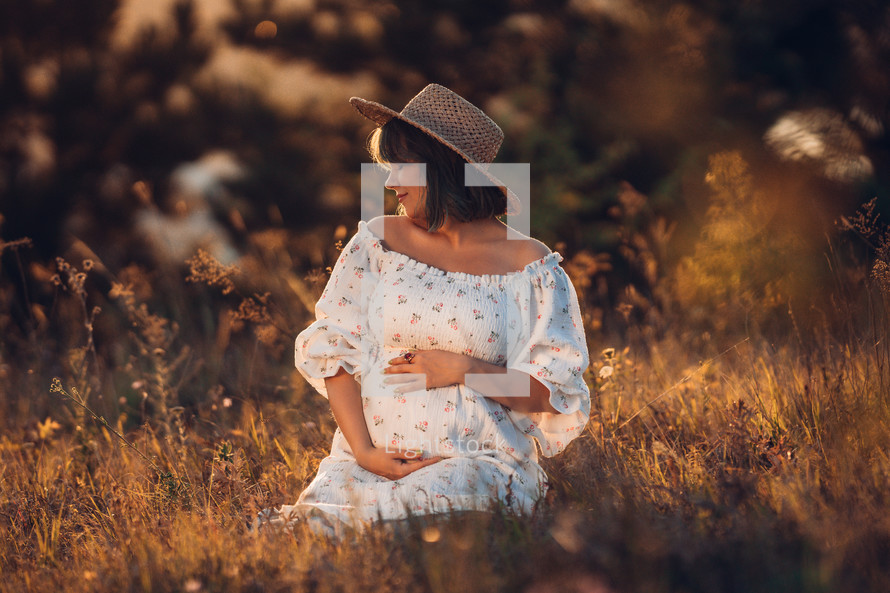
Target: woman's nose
{"points": [[392, 179]]}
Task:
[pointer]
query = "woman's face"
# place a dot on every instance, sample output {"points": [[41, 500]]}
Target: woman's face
{"points": [[408, 180]]}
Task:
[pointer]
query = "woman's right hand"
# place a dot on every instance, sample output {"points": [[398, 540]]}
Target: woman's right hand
{"points": [[392, 463]]}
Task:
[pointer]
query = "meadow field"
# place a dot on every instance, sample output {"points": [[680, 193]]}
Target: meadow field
{"points": [[738, 441], [178, 176]]}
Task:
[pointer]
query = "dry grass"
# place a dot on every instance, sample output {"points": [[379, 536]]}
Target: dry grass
{"points": [[761, 472], [761, 466]]}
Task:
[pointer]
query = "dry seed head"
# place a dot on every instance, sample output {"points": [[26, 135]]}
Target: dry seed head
{"points": [[316, 276], [865, 220], [206, 269], [267, 334], [76, 282], [253, 309], [881, 274], [124, 292], [625, 309], [25, 242]]}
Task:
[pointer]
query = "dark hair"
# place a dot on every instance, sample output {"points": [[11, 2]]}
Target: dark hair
{"points": [[446, 194]]}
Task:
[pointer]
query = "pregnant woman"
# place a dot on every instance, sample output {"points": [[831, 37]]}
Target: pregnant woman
{"points": [[445, 349]]}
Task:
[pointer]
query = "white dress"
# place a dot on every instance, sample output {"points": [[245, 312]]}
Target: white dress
{"points": [[380, 303]]}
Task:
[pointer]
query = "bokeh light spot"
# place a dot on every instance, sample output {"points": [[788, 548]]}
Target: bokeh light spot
{"points": [[431, 534], [266, 30]]}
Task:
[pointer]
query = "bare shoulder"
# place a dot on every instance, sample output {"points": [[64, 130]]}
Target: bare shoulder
{"points": [[526, 249], [391, 229], [378, 224]]}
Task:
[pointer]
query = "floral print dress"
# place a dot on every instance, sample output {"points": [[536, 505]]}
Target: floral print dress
{"points": [[377, 305]]}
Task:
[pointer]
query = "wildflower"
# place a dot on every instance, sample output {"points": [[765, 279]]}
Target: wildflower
{"points": [[46, 428], [606, 372]]}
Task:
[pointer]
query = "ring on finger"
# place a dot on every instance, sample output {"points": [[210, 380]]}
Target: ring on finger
{"points": [[409, 357]]}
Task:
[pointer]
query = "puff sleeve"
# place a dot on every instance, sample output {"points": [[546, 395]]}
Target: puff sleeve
{"points": [[335, 339], [552, 348]]}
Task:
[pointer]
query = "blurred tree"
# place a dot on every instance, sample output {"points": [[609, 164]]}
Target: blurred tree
{"points": [[593, 94], [48, 72]]}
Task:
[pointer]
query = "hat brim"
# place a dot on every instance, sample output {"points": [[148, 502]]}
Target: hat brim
{"points": [[381, 114], [377, 113]]}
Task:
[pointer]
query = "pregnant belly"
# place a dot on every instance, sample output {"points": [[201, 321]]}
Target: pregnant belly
{"points": [[445, 421], [448, 421]]}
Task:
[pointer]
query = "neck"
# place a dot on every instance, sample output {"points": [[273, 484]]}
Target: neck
{"points": [[460, 234]]}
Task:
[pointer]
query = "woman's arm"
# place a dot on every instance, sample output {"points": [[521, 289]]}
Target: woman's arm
{"points": [[345, 397], [514, 389], [491, 380]]}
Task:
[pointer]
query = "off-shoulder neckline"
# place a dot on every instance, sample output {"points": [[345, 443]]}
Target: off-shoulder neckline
{"points": [[377, 242]]}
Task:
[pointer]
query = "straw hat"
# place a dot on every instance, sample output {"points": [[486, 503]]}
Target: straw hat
{"points": [[447, 117], [452, 120]]}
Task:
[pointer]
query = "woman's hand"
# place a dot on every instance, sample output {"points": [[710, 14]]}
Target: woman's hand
{"points": [[427, 369], [392, 463], [512, 388]]}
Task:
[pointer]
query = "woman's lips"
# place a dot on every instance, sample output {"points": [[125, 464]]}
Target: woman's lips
{"points": [[401, 196]]}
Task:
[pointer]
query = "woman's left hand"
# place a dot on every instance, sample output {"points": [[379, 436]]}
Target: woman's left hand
{"points": [[427, 369]]}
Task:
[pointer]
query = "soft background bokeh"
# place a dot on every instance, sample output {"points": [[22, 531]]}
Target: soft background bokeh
{"points": [[134, 133], [175, 177], [232, 111]]}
